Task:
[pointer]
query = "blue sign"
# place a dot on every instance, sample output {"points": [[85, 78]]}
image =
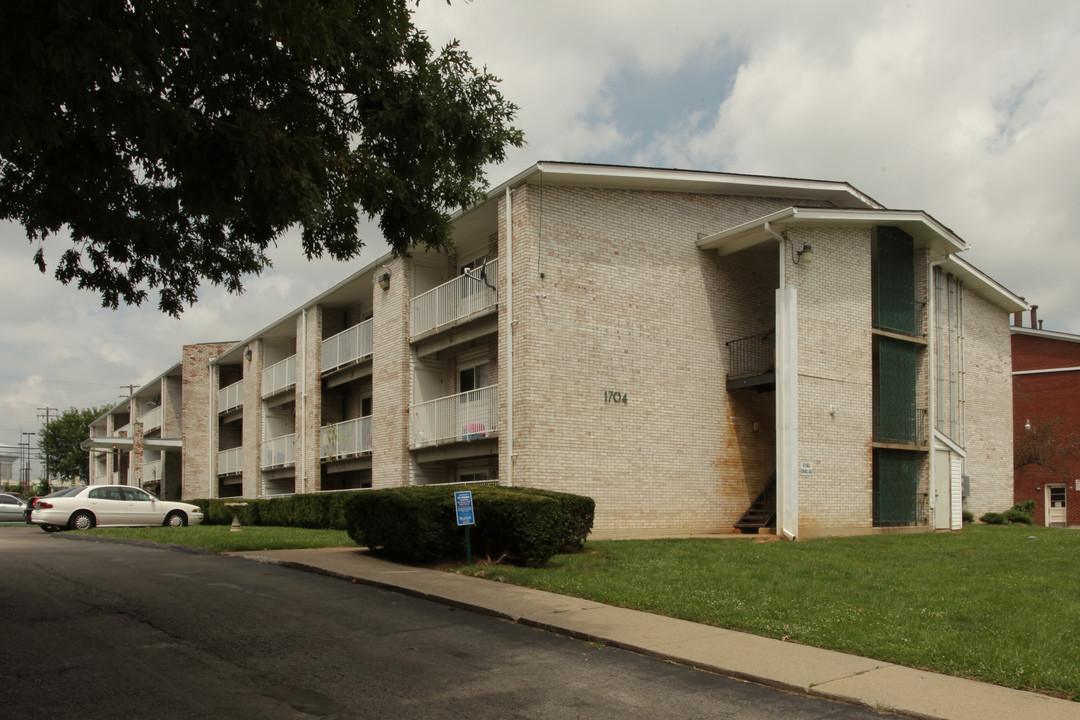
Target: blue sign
{"points": [[463, 503]]}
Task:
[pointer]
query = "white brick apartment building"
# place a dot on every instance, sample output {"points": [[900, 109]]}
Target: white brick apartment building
{"points": [[664, 341]]}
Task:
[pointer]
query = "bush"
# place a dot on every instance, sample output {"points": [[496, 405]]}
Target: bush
{"points": [[1019, 513], [419, 524], [968, 516], [322, 511]]}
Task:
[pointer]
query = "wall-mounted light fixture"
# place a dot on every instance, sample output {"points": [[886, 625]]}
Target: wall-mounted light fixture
{"points": [[384, 281], [1027, 424], [247, 353], [805, 255]]}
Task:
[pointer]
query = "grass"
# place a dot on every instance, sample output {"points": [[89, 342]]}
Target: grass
{"points": [[218, 538], [998, 604]]}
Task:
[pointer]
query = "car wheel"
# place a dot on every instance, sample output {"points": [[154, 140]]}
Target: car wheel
{"points": [[48, 528], [176, 519], [81, 521]]}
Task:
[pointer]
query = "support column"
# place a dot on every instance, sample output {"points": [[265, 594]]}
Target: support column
{"points": [[787, 413], [391, 376], [308, 399], [253, 419]]}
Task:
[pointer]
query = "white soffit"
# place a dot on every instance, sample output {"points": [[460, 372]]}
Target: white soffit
{"points": [[984, 285], [927, 232]]}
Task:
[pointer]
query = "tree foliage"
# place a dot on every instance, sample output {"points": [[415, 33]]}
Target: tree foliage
{"points": [[175, 141], [59, 441]]}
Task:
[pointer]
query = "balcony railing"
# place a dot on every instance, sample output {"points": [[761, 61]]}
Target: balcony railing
{"points": [[753, 355], [279, 376], [151, 471], [900, 316], [900, 425], [346, 347], [279, 451], [343, 439], [230, 397], [151, 419], [471, 415], [231, 461], [455, 300]]}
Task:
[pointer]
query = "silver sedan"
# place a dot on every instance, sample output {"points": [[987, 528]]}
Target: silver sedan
{"points": [[11, 508], [111, 506]]}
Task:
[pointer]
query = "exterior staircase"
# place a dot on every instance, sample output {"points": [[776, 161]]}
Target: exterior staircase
{"points": [[762, 512]]}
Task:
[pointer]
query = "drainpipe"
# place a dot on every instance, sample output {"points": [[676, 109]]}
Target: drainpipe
{"points": [[509, 340], [303, 404], [931, 410], [787, 399]]}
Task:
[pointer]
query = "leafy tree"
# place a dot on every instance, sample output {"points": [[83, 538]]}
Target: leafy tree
{"points": [[59, 441], [175, 141]]}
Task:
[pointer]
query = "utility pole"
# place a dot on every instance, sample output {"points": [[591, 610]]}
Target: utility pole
{"points": [[48, 419]]}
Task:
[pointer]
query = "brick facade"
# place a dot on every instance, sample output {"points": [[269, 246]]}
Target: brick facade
{"points": [[1046, 402], [610, 349]]}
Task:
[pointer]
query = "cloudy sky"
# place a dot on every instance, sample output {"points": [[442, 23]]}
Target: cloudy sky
{"points": [[968, 109]]}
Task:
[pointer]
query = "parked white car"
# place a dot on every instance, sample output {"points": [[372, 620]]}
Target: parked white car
{"points": [[111, 506]]}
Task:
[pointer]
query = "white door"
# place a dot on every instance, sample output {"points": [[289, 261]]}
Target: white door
{"points": [[942, 490], [1055, 506]]}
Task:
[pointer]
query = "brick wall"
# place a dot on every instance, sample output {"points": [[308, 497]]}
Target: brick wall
{"points": [[1051, 402], [198, 397], [391, 377], [628, 304], [988, 417], [308, 399]]}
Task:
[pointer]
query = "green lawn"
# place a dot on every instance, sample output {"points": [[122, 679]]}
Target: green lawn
{"points": [[1000, 604], [218, 538]]}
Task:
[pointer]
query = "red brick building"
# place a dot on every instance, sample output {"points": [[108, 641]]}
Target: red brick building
{"points": [[1046, 421]]}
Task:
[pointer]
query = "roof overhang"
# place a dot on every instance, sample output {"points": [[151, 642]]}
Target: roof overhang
{"points": [[1048, 334], [126, 444], [984, 285], [927, 232]]}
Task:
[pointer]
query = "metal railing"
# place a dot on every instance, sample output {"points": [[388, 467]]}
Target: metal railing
{"points": [[279, 376], [231, 461], [461, 297], [230, 397], [905, 317], [279, 451], [900, 426], [471, 415], [151, 471], [752, 355], [151, 419], [350, 437], [346, 347]]}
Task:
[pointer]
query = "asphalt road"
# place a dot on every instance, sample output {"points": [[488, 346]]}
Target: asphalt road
{"points": [[107, 630]]}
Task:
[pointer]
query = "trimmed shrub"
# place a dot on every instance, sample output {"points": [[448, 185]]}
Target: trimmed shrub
{"points": [[994, 518], [968, 516], [419, 524], [1014, 515], [416, 525], [320, 511], [1027, 507]]}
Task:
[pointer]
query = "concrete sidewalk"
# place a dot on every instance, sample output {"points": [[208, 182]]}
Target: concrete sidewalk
{"points": [[789, 666]]}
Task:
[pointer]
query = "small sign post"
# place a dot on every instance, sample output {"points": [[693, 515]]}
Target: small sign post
{"points": [[465, 516]]}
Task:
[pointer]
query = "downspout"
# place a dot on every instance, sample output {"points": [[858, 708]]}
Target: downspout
{"points": [[303, 403], [786, 475], [211, 432], [509, 340], [931, 410]]}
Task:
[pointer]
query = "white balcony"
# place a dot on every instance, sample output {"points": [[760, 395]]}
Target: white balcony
{"points": [[231, 461], [230, 397], [472, 415], [151, 420], [346, 347], [345, 439], [279, 376], [151, 471], [456, 300], [279, 452]]}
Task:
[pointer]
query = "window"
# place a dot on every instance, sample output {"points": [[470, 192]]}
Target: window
{"points": [[473, 378], [365, 406]]}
